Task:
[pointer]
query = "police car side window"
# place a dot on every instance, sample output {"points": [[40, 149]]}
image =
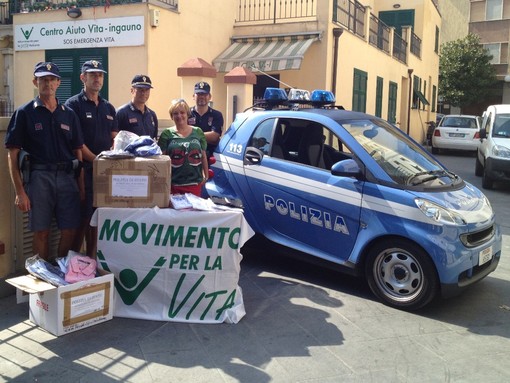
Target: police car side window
{"points": [[262, 136]]}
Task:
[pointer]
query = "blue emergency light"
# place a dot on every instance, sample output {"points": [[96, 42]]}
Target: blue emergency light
{"points": [[275, 95], [321, 97]]}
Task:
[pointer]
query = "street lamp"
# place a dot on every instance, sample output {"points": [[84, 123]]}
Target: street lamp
{"points": [[74, 13]]}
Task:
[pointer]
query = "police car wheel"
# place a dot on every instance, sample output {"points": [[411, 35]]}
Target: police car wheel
{"points": [[401, 274]]}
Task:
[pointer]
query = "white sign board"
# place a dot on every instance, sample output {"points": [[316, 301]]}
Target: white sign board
{"points": [[97, 33], [172, 265]]}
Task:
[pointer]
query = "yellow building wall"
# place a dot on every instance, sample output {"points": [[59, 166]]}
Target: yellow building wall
{"points": [[179, 37]]}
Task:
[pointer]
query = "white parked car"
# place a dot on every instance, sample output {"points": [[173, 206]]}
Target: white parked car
{"points": [[493, 156], [457, 132]]}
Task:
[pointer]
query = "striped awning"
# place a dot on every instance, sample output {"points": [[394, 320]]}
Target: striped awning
{"points": [[266, 53]]}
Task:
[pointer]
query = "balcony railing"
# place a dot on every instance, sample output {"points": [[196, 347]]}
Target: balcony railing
{"points": [[415, 45], [399, 48], [351, 14], [7, 9], [266, 10], [379, 35]]}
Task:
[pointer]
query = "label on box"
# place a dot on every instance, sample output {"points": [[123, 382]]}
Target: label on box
{"points": [[125, 185], [86, 303]]}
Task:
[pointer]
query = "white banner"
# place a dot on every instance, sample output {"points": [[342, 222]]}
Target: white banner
{"points": [[97, 33], [174, 265]]}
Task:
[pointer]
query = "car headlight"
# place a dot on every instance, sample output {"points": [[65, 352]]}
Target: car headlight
{"points": [[438, 213], [501, 151]]}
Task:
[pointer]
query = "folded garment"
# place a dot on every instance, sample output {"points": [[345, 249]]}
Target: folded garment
{"points": [[44, 270], [80, 268]]}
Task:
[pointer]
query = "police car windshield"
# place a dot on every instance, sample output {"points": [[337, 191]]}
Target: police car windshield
{"points": [[399, 157]]}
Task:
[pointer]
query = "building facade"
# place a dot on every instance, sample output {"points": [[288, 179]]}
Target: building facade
{"points": [[377, 56], [490, 19]]}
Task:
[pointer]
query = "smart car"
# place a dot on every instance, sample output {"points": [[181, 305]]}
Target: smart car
{"points": [[457, 132], [357, 193]]}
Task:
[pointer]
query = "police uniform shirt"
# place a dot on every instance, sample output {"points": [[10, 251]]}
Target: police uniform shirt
{"points": [[210, 121], [133, 120], [49, 137], [97, 122]]}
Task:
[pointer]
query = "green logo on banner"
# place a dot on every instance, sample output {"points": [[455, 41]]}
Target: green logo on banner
{"points": [[27, 33], [127, 283]]}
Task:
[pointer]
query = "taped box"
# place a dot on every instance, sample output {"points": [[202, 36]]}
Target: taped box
{"points": [[65, 309], [132, 182]]}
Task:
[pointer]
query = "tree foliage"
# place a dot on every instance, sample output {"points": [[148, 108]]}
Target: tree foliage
{"points": [[465, 72]]}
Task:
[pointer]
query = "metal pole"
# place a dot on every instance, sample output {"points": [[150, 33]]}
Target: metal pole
{"points": [[337, 32]]}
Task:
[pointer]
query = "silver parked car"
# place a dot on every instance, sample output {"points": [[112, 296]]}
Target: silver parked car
{"points": [[457, 132]]}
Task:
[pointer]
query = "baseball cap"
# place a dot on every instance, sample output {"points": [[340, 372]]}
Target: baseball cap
{"points": [[46, 69], [92, 66], [141, 81], [202, 87]]}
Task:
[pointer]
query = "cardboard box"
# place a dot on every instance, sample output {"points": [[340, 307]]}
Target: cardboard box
{"points": [[132, 182], [64, 309]]}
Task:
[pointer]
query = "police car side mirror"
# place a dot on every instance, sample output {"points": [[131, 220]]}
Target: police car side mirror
{"points": [[346, 168], [483, 134]]}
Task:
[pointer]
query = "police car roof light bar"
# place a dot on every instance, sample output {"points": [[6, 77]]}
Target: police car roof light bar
{"points": [[275, 95], [321, 97], [299, 95]]}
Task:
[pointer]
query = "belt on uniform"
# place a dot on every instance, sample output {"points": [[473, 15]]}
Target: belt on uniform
{"points": [[67, 166]]}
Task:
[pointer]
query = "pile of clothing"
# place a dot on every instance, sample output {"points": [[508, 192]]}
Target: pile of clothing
{"points": [[75, 267], [128, 144]]}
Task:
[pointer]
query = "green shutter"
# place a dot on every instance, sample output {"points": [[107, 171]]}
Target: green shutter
{"points": [[392, 102], [379, 97], [398, 19], [434, 90], [69, 62], [359, 91]]}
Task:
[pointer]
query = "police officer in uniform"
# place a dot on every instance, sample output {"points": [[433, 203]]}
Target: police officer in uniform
{"points": [[50, 132], [135, 116], [208, 119], [99, 127]]}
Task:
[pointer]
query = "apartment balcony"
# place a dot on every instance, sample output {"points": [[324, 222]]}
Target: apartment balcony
{"points": [[264, 11], [11, 7]]}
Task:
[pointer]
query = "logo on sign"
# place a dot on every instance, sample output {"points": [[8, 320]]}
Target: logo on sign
{"points": [[27, 33]]}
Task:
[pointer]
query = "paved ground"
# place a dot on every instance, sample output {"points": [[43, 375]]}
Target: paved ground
{"points": [[303, 324]]}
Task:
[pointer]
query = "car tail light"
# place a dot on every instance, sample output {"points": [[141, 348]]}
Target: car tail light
{"points": [[437, 133], [477, 136], [211, 173], [212, 160]]}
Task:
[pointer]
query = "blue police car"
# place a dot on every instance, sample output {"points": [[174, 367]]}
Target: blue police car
{"points": [[353, 190]]}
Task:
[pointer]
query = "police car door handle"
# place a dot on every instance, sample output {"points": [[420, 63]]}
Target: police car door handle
{"points": [[253, 156]]}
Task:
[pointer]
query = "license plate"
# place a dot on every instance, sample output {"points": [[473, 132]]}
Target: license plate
{"points": [[485, 256], [457, 134]]}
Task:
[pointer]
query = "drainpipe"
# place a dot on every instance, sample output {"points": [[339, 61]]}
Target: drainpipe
{"points": [[409, 72], [337, 32]]}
